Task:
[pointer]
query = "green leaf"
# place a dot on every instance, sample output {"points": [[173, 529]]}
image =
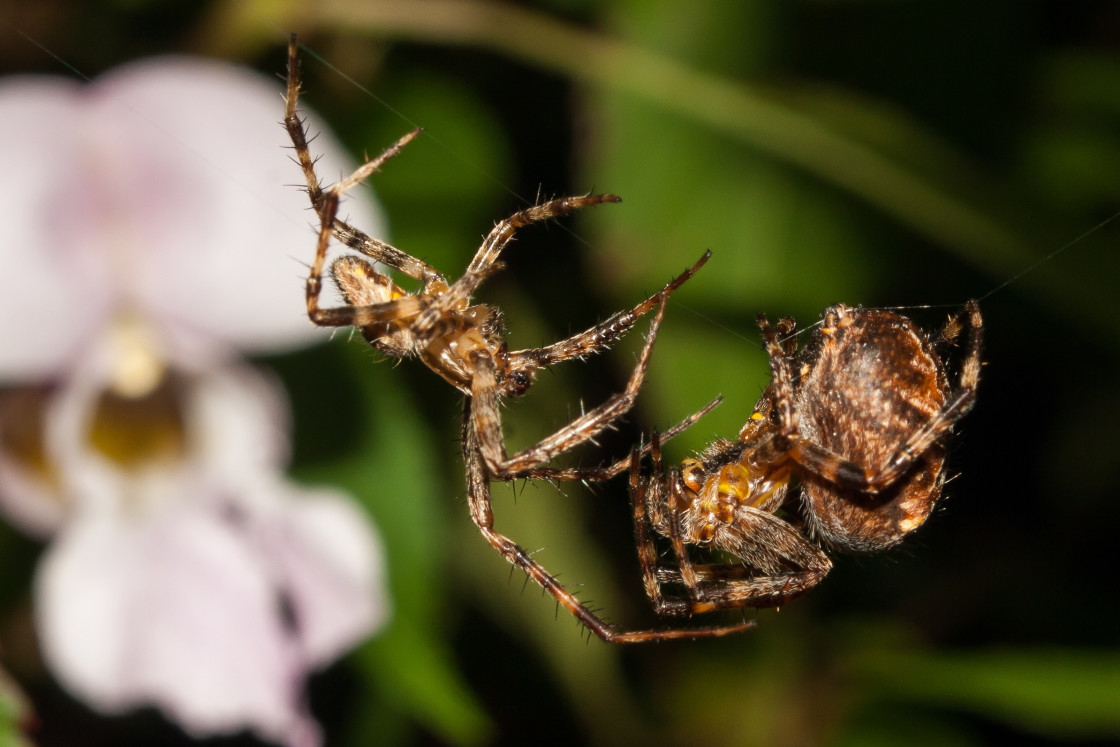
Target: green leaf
{"points": [[1061, 693], [15, 712]]}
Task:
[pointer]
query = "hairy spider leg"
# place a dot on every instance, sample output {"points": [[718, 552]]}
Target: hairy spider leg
{"points": [[376, 249], [503, 231], [486, 420], [606, 472], [528, 462], [346, 316], [712, 587], [482, 514], [602, 335], [485, 261]]}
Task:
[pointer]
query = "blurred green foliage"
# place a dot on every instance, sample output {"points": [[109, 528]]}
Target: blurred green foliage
{"points": [[877, 153], [15, 713]]}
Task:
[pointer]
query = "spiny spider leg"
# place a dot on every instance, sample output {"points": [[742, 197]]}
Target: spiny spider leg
{"points": [[346, 316], [503, 231], [606, 472], [602, 335], [791, 564], [580, 430], [482, 514], [344, 232], [647, 550], [676, 540], [484, 263], [671, 519], [528, 462], [370, 167]]}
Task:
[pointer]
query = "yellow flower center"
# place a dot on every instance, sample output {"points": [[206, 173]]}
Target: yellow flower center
{"points": [[138, 419], [135, 431]]}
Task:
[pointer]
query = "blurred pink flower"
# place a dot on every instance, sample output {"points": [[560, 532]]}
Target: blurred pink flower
{"points": [[149, 239]]}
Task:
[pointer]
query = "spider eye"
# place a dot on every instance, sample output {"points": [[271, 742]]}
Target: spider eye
{"points": [[519, 382]]}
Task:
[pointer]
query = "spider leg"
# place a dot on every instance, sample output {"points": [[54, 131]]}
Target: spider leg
{"points": [[657, 503], [676, 503], [644, 498], [379, 251], [502, 233], [606, 472], [482, 514], [874, 478], [597, 338], [484, 394], [602, 335], [346, 316], [485, 261], [781, 379], [731, 586], [593, 340], [374, 248], [779, 563], [787, 325]]}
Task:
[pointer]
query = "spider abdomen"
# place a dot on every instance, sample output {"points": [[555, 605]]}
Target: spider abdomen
{"points": [[870, 379]]}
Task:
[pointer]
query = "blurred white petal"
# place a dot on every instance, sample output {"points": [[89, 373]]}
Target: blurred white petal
{"points": [[54, 291], [162, 569], [239, 421], [173, 609], [154, 233], [164, 187], [331, 566], [224, 230]]}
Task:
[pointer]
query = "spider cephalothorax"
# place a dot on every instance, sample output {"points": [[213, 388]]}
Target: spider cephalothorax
{"points": [[465, 344], [859, 418]]}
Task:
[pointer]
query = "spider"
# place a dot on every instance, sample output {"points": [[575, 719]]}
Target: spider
{"points": [[465, 344], [860, 417]]}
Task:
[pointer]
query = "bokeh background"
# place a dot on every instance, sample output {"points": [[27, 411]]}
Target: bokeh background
{"points": [[873, 152]]}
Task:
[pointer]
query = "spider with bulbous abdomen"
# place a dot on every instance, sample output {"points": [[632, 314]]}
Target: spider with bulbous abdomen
{"points": [[845, 450], [465, 344]]}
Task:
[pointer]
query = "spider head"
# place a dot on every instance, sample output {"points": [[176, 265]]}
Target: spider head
{"points": [[516, 384]]}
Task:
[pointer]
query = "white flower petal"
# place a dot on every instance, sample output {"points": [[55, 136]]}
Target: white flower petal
{"points": [[63, 284], [172, 609], [165, 186], [160, 571], [330, 565], [239, 421], [222, 235]]}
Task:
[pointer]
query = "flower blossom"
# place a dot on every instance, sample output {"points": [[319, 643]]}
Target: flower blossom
{"points": [[149, 241]]}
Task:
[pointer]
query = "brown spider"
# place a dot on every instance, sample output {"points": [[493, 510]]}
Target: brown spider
{"points": [[465, 344], [862, 426]]}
